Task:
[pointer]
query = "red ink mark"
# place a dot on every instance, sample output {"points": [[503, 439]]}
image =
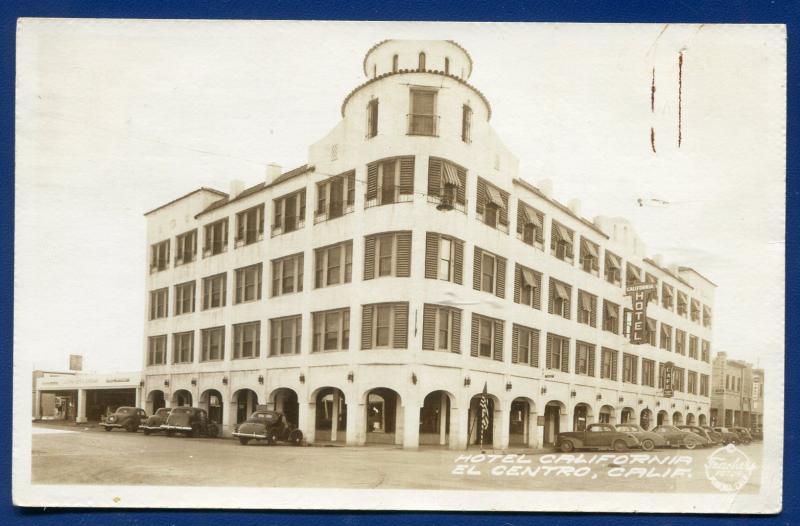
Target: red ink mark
{"points": [[680, 98], [653, 92], [653, 139]]}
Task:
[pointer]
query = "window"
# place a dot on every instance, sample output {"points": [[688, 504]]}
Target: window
{"points": [[447, 184], [651, 332], [666, 337], [610, 317], [486, 337], [446, 65], [683, 303], [247, 340], [186, 247], [693, 341], [287, 275], [387, 254], [704, 385], [691, 382], [248, 283], [289, 212], [492, 205], [250, 226], [652, 296], [590, 257], [560, 294], [285, 335], [157, 350], [706, 316], [648, 373], [333, 264], [608, 364], [680, 341], [489, 273], [213, 343], [444, 258], [527, 286], [214, 291], [587, 308], [584, 358], [441, 328], [335, 197], [390, 181], [667, 296], [372, 118], [629, 366], [384, 325], [394, 64], [530, 225], [184, 298], [466, 123], [557, 353], [706, 351], [695, 311], [158, 303], [423, 119], [421, 61], [216, 238], [561, 242], [159, 256], [183, 347], [633, 274], [331, 330], [677, 379], [524, 345], [613, 269]]}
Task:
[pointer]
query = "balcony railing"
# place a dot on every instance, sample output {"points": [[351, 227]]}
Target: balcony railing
{"points": [[420, 124], [329, 213], [289, 224], [387, 196], [483, 218], [437, 200]]}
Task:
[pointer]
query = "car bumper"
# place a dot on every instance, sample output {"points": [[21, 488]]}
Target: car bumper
{"points": [[175, 428], [152, 428], [249, 435], [110, 425]]}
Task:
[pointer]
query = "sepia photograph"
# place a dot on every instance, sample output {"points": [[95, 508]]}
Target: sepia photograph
{"points": [[399, 265]]}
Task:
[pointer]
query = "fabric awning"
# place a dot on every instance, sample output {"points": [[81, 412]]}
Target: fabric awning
{"points": [[528, 279], [586, 302], [681, 300], [611, 312], [493, 197], [562, 233], [530, 217], [695, 304], [651, 324], [614, 261], [668, 292], [450, 175], [591, 249], [561, 291]]}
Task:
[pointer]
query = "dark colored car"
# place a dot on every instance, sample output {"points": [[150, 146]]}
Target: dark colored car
{"points": [[699, 431], [596, 436], [728, 436], [679, 438], [647, 439], [155, 421], [271, 426], [744, 434], [191, 422], [716, 436], [757, 433], [127, 418]]}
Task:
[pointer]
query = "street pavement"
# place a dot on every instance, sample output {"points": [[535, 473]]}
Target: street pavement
{"points": [[88, 455]]}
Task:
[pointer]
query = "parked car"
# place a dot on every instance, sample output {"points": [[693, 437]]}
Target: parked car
{"points": [[596, 436], [127, 418], [744, 435], [271, 426], [757, 433], [728, 436], [155, 421], [191, 422], [699, 431], [716, 436], [647, 439], [678, 438]]}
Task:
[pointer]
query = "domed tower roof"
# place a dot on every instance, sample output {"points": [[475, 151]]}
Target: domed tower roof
{"points": [[438, 55]]}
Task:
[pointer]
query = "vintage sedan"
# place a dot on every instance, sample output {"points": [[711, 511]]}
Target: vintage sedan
{"points": [[270, 426], [127, 418], [744, 434], [716, 436], [596, 436], [191, 422], [678, 438], [728, 436], [699, 431], [155, 421], [647, 439]]}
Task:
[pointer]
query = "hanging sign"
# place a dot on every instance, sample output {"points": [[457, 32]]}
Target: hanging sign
{"points": [[640, 295]]}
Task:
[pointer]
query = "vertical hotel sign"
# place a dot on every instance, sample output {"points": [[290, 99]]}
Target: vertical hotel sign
{"points": [[640, 295]]}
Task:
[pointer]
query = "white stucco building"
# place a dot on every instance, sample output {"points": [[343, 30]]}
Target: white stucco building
{"points": [[373, 292]]}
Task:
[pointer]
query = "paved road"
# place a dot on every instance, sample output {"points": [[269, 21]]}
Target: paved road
{"points": [[78, 455]]}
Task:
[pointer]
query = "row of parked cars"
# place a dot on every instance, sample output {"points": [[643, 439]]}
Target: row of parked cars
{"points": [[270, 426], [622, 437]]}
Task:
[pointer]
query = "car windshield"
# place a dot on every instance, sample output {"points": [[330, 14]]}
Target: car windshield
{"points": [[626, 428], [182, 410], [124, 410], [265, 416], [162, 412]]}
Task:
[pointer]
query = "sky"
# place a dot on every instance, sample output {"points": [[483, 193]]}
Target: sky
{"points": [[115, 118]]}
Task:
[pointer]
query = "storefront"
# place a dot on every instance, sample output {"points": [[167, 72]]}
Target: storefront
{"points": [[84, 397]]}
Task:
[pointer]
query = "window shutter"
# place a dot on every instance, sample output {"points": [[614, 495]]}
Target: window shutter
{"points": [[461, 193], [481, 197], [458, 262], [551, 300], [593, 316], [537, 292], [400, 337], [403, 254], [520, 217], [366, 326], [540, 231], [498, 340], [434, 176], [500, 289], [504, 210], [473, 351], [372, 181], [431, 255], [407, 175], [614, 365], [476, 269], [517, 282], [514, 344], [565, 356], [534, 348], [553, 237], [455, 338], [590, 360], [567, 305], [369, 258], [429, 327], [351, 184], [549, 355]]}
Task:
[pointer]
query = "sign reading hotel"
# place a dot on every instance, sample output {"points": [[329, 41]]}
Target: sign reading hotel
{"points": [[640, 294]]}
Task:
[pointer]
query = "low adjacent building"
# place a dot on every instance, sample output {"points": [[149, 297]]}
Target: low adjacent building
{"points": [[737, 397], [83, 397]]}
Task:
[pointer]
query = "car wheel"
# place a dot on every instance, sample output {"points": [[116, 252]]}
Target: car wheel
{"points": [[648, 445], [130, 428], [193, 432], [567, 446], [244, 440], [620, 445], [296, 437], [146, 432], [690, 444], [107, 428]]}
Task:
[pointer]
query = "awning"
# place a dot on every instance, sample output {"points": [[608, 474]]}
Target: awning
{"points": [[450, 175], [664, 329], [562, 233], [590, 248], [528, 279], [529, 217], [613, 261], [668, 292], [681, 300], [611, 312], [651, 324], [493, 197], [561, 291], [695, 304], [586, 302]]}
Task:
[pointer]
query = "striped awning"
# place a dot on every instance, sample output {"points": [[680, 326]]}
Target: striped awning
{"points": [[562, 233], [651, 324], [530, 217], [561, 291], [613, 261], [610, 312], [590, 248], [668, 292], [527, 278], [493, 197], [450, 175]]}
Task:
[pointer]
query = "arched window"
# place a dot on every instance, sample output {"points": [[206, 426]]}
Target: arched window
{"points": [[447, 65], [394, 64], [422, 60]]}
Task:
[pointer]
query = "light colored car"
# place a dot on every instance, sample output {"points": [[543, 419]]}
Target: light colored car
{"points": [[647, 439], [678, 438]]}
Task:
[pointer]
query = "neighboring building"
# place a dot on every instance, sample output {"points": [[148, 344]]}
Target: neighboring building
{"points": [[372, 293], [82, 397], [738, 396]]}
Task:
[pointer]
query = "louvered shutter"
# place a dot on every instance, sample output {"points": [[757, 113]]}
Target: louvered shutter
{"points": [[458, 264], [540, 231], [537, 292], [549, 352], [400, 339], [476, 269], [403, 254], [461, 192], [514, 344], [590, 359], [434, 176], [366, 326], [428, 327], [369, 257], [593, 316], [551, 299], [372, 181], [504, 209], [500, 289], [517, 283], [431, 255], [614, 365], [535, 348], [498, 340], [481, 197], [474, 333], [567, 303], [351, 185], [565, 356], [636, 369], [520, 217], [456, 336], [407, 175]]}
